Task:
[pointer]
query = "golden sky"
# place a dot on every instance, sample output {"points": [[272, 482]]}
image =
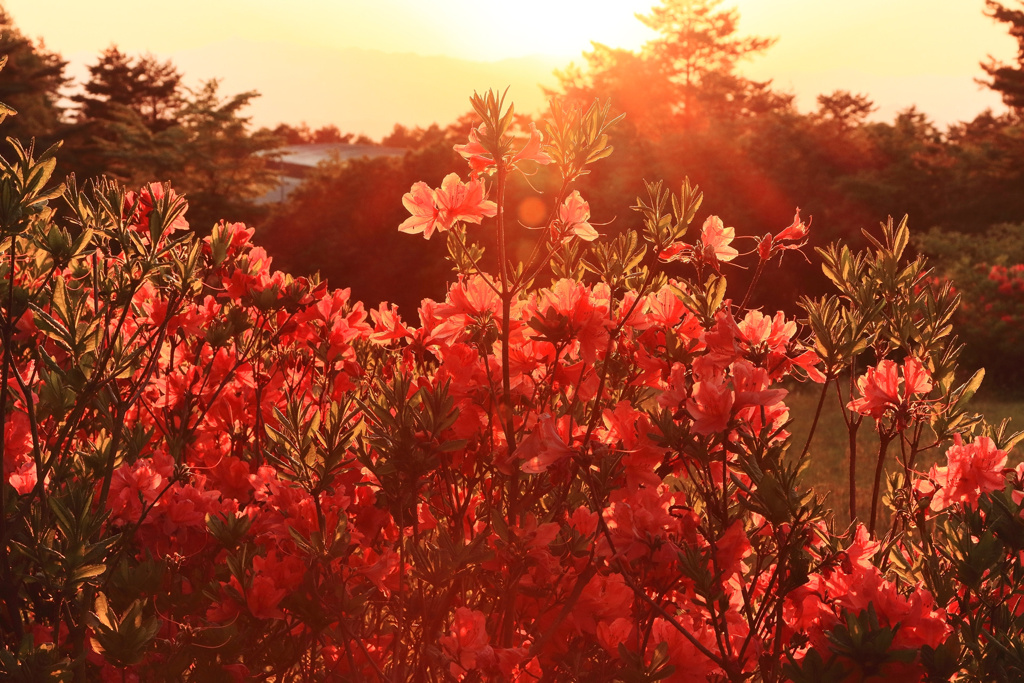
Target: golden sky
{"points": [[367, 64]]}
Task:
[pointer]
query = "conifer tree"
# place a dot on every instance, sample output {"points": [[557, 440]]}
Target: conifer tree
{"points": [[1007, 79], [122, 91], [699, 49], [136, 122], [148, 87], [30, 84], [686, 76]]}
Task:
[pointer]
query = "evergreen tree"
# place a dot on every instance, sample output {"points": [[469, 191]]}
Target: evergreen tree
{"points": [[150, 88], [217, 160], [30, 84], [684, 78], [138, 123], [845, 109], [122, 92], [698, 49], [209, 153], [1007, 79]]}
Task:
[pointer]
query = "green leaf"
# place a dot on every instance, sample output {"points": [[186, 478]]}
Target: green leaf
{"points": [[87, 571]]}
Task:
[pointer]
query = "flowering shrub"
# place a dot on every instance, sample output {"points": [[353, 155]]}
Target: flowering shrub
{"points": [[988, 271], [994, 316], [577, 467]]}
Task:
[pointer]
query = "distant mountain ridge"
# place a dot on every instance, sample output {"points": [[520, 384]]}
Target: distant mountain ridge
{"points": [[368, 91], [361, 91]]}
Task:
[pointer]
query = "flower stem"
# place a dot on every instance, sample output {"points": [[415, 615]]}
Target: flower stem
{"points": [[507, 421], [884, 438], [817, 414], [753, 281]]}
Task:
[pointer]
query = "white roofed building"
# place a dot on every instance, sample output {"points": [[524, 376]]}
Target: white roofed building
{"points": [[294, 163]]}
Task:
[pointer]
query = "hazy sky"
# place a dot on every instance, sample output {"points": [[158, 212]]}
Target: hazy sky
{"points": [[367, 64]]}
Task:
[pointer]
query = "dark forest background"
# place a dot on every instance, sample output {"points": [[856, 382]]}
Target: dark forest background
{"points": [[688, 113]]}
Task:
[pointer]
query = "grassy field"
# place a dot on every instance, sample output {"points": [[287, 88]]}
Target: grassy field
{"points": [[828, 468]]}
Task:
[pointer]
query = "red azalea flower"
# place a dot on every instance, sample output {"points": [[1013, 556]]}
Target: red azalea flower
{"points": [[971, 470], [715, 239], [573, 215], [883, 393]]}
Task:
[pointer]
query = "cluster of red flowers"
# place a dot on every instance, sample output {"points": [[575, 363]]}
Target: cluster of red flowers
{"points": [[996, 294], [1009, 279], [260, 347], [574, 480]]}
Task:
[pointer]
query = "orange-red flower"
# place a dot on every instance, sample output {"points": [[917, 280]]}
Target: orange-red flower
{"points": [[468, 642], [459, 201], [532, 150], [442, 208], [792, 237], [972, 470], [710, 406], [147, 198], [573, 214], [388, 325], [715, 239], [474, 152], [480, 158], [543, 447], [882, 392], [677, 251], [712, 248], [419, 201]]}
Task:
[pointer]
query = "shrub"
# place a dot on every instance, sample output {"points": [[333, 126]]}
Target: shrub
{"points": [[576, 468], [988, 270]]}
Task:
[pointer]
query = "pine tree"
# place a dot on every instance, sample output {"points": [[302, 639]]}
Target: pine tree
{"points": [[685, 77], [138, 123], [1007, 79], [209, 153], [121, 91], [149, 88], [30, 84], [221, 164], [698, 49]]}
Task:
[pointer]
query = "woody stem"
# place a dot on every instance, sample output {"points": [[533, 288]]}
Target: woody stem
{"points": [[884, 438], [506, 313], [753, 281], [817, 414]]}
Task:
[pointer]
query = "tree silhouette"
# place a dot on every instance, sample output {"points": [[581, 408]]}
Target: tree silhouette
{"points": [[150, 88], [846, 109], [698, 49], [137, 122], [209, 153], [685, 78], [30, 84], [636, 85], [121, 91], [1007, 79]]}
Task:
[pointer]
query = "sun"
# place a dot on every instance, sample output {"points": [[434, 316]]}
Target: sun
{"points": [[492, 30]]}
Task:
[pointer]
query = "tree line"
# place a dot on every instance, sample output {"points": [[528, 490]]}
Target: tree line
{"points": [[689, 113], [134, 120]]}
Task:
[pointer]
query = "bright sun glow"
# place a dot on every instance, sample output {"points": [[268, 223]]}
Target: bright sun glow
{"points": [[468, 29], [562, 27], [365, 64]]}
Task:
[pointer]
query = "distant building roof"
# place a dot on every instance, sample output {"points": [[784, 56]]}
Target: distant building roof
{"points": [[298, 160], [295, 162]]}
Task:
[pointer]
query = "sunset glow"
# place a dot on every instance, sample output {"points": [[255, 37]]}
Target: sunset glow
{"points": [[314, 60], [511, 341]]}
